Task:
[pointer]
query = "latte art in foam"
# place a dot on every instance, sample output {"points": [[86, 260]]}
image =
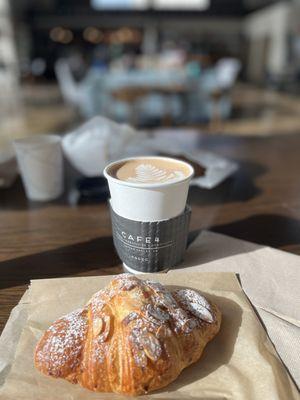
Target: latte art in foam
{"points": [[145, 173], [150, 170]]}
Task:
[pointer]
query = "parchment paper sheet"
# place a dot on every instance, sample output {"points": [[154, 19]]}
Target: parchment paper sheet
{"points": [[269, 277], [240, 363]]}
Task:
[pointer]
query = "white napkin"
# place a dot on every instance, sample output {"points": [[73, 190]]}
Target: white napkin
{"points": [[94, 144]]}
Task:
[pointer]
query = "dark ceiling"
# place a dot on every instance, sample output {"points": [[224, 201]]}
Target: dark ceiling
{"points": [[82, 7]]}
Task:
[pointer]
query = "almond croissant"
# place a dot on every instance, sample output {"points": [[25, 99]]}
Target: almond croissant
{"points": [[132, 337]]}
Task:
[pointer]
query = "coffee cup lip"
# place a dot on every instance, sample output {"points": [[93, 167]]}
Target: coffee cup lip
{"points": [[147, 185]]}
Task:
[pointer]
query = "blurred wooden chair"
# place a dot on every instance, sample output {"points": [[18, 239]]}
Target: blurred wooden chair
{"points": [[131, 95], [73, 93]]}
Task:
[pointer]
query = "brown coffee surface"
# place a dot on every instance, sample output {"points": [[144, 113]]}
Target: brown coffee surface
{"points": [[150, 170], [199, 170]]}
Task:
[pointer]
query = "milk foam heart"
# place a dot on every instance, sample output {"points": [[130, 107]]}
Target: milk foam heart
{"points": [[150, 170], [148, 173]]}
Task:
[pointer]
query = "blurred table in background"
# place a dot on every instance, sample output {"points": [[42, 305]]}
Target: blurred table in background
{"points": [[133, 94], [258, 112], [40, 111], [260, 203]]}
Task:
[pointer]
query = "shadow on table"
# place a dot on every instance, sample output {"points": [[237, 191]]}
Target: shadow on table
{"points": [[219, 351], [209, 247], [239, 187], [86, 258], [265, 229], [14, 197]]}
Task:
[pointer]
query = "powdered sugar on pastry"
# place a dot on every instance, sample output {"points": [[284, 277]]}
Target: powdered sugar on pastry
{"points": [[64, 342], [132, 337], [195, 304]]}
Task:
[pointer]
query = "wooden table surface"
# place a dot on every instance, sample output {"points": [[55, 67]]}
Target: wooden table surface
{"points": [[260, 203]]}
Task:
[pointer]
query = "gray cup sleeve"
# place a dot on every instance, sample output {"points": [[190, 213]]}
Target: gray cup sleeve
{"points": [[151, 246]]}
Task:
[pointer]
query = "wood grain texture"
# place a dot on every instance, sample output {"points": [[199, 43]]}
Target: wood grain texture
{"points": [[260, 203]]}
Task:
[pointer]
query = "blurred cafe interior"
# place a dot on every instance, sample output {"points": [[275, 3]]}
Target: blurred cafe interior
{"points": [[183, 76], [121, 78], [223, 66], [176, 73]]}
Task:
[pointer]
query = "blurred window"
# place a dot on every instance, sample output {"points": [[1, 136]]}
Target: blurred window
{"points": [[144, 4], [122, 4], [181, 4]]}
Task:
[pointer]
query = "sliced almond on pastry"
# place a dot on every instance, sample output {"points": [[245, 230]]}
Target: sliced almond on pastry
{"points": [[151, 346], [101, 328], [196, 304], [98, 326]]}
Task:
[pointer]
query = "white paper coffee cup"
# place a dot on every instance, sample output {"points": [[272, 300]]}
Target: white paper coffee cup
{"points": [[40, 163], [148, 201], [136, 272]]}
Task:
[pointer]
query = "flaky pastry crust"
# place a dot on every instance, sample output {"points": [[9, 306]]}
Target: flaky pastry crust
{"points": [[132, 337]]}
